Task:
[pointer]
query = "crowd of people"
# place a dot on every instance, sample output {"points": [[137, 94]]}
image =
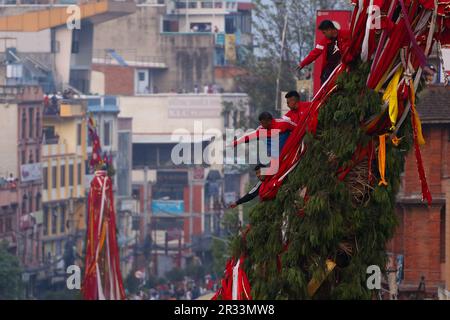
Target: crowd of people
{"points": [[187, 289], [9, 182]]}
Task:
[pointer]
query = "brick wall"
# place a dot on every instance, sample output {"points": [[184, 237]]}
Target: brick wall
{"points": [[419, 235], [433, 156], [119, 80]]}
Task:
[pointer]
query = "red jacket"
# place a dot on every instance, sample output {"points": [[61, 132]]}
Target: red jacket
{"points": [[321, 47], [277, 124], [298, 114]]}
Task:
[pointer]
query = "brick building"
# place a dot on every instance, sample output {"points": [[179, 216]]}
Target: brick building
{"points": [[423, 234]]}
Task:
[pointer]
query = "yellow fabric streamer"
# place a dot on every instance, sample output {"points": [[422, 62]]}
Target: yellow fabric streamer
{"points": [[391, 96], [383, 79], [382, 160], [416, 118], [314, 284]]}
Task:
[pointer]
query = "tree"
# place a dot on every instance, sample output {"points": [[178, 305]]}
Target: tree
{"points": [[348, 222], [10, 275], [219, 252]]}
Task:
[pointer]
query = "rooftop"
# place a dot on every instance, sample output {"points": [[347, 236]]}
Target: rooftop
{"points": [[434, 104], [50, 16]]}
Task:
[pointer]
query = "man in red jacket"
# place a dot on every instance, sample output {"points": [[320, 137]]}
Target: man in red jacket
{"points": [[281, 129], [272, 131], [298, 109], [334, 46]]}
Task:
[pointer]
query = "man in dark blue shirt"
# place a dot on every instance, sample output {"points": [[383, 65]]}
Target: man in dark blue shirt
{"points": [[252, 194]]}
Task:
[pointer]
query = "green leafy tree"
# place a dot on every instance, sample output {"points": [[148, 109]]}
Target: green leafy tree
{"points": [[219, 251], [10, 275]]}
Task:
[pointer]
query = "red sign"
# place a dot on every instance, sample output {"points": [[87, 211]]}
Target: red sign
{"points": [[342, 20]]}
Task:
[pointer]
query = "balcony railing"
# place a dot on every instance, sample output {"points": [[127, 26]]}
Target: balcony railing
{"points": [[50, 139], [126, 57]]}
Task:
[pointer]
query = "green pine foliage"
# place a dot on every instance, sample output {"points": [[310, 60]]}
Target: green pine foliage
{"points": [[332, 220]]}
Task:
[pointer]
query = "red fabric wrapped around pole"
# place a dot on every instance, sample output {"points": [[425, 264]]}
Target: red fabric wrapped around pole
{"points": [[103, 279]]}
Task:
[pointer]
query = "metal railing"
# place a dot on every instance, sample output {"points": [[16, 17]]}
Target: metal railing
{"points": [[129, 55]]}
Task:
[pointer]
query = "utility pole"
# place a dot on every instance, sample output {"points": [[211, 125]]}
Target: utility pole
{"points": [[145, 218], [283, 42], [187, 16]]}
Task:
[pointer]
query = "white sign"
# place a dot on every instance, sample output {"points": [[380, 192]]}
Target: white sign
{"points": [[194, 108], [30, 172]]}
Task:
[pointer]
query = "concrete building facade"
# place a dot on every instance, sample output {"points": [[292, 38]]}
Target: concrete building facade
{"points": [[20, 160], [64, 198], [178, 204]]}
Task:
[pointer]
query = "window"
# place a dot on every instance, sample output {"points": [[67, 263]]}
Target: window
{"points": [[24, 157], [54, 220], [1, 226], [230, 25], [54, 172], [38, 125], [30, 158], [79, 173], [38, 159], [79, 134], [170, 26], [8, 224], [182, 4], [30, 202], [38, 202], [30, 122], [76, 41], [62, 224], [219, 56], [71, 175], [24, 125], [45, 177], [107, 133], [212, 4], [45, 221], [24, 204], [165, 155], [62, 175], [141, 76]]}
